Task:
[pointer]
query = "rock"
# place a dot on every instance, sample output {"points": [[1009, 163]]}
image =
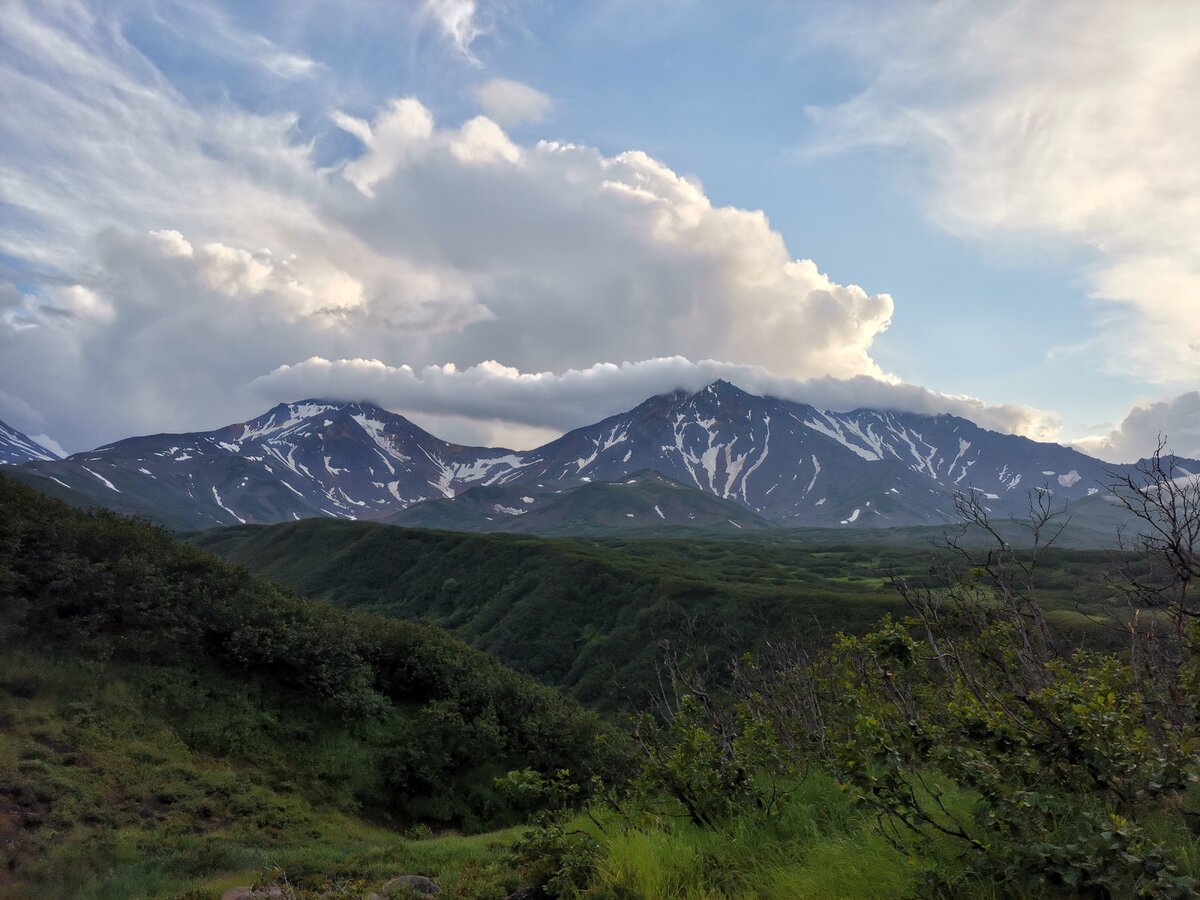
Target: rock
{"points": [[418, 884]]}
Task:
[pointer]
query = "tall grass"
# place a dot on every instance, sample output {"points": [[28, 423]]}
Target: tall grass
{"points": [[820, 846]]}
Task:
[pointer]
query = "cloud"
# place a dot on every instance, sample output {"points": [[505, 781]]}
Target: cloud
{"points": [[95, 136], [1177, 421], [558, 402], [402, 130], [511, 102], [49, 443], [458, 21], [14, 308], [178, 269], [575, 254], [1073, 121]]}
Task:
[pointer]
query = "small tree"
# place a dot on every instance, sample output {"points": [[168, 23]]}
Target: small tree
{"points": [[1156, 580]]}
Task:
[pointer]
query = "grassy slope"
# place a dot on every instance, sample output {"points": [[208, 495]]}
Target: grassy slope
{"points": [[588, 615], [109, 789], [180, 719], [117, 802]]}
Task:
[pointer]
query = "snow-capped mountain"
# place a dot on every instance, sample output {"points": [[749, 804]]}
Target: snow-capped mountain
{"points": [[801, 465], [788, 463], [313, 458], [17, 448]]}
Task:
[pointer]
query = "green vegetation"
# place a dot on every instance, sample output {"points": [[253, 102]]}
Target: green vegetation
{"points": [[995, 756], [181, 718], [184, 727], [590, 616]]}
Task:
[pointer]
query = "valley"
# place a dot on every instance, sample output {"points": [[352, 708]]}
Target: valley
{"points": [[594, 616]]}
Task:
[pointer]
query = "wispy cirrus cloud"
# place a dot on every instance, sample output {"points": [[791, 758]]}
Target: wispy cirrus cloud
{"points": [[1073, 121], [458, 20]]}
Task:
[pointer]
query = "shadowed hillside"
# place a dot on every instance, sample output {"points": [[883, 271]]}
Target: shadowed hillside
{"points": [[590, 615], [214, 722]]}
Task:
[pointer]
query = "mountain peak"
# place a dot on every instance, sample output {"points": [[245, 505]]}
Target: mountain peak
{"points": [[284, 417], [720, 388], [313, 406]]}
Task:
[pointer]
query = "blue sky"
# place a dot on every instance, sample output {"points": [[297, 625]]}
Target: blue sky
{"points": [[941, 154]]}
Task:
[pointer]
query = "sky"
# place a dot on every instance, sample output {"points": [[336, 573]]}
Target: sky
{"points": [[507, 218]]}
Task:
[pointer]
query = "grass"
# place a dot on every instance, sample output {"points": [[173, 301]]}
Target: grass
{"points": [[107, 797], [104, 796], [819, 847]]}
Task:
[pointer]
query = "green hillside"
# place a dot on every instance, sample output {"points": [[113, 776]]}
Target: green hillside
{"points": [[165, 717], [590, 615]]}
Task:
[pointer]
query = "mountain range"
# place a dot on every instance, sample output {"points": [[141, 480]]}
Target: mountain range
{"points": [[718, 458]]}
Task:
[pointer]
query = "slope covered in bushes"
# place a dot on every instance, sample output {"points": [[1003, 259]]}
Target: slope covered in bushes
{"points": [[159, 703], [591, 615]]}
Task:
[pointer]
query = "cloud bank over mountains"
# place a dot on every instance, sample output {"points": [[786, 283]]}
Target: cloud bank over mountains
{"points": [[577, 397], [1175, 421]]}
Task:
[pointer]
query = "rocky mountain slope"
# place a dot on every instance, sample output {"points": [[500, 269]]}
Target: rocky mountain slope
{"points": [[17, 448], [645, 500], [298, 460]]}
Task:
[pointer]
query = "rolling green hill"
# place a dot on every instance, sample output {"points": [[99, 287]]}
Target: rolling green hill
{"points": [[590, 615], [166, 716]]}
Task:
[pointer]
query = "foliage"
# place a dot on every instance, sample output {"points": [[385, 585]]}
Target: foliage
{"points": [[1075, 766], [590, 615], [163, 672]]}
